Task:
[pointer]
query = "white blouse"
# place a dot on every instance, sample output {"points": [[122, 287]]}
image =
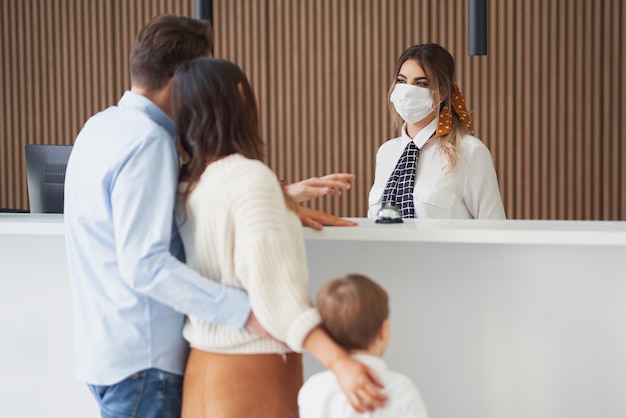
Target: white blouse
{"points": [[469, 192]]}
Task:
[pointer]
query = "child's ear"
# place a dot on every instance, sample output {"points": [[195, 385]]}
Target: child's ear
{"points": [[384, 330]]}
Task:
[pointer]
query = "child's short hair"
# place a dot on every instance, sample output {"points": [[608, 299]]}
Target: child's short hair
{"points": [[352, 309]]}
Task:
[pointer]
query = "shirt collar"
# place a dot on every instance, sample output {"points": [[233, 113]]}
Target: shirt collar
{"points": [[376, 363], [132, 100], [422, 136]]}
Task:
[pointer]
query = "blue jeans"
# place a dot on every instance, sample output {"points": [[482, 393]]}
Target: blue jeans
{"points": [[150, 393]]}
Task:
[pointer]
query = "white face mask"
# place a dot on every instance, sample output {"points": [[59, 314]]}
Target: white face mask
{"points": [[411, 102]]}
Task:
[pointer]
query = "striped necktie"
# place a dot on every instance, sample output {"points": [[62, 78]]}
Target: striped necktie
{"points": [[399, 189]]}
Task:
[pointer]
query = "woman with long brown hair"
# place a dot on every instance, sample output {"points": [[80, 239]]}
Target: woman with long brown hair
{"points": [[436, 168], [239, 228]]}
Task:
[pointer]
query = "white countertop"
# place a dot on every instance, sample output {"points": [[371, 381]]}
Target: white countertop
{"points": [[480, 232], [431, 230], [546, 321], [31, 224]]}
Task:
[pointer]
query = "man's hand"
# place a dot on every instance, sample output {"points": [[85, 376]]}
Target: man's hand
{"points": [[309, 189], [255, 327], [317, 219]]}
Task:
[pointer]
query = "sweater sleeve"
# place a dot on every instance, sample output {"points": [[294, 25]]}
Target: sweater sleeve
{"points": [[270, 258]]}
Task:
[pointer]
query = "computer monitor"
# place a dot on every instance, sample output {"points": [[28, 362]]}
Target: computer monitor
{"points": [[45, 173]]}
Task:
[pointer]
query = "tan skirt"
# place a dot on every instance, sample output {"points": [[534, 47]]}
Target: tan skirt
{"points": [[241, 385]]}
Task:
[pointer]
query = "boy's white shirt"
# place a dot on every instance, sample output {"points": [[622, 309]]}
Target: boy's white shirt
{"points": [[321, 396]]}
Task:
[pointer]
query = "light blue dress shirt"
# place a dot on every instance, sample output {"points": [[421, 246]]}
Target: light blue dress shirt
{"points": [[130, 292]]}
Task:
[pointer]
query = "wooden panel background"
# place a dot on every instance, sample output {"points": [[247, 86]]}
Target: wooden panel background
{"points": [[62, 61], [547, 99]]}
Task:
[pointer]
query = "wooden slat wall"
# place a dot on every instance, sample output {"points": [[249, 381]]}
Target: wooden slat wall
{"points": [[547, 99], [61, 61]]}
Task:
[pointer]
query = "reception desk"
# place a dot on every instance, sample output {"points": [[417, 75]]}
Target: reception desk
{"points": [[491, 319]]}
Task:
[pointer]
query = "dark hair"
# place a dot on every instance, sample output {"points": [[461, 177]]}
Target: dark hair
{"points": [[165, 43], [353, 308], [216, 115]]}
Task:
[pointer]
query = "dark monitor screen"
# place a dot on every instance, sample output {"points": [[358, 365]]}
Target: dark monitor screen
{"points": [[45, 173]]}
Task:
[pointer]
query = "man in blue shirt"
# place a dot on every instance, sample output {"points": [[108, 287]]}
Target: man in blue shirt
{"points": [[130, 293]]}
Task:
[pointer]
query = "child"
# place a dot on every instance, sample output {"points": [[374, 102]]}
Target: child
{"points": [[355, 312]]}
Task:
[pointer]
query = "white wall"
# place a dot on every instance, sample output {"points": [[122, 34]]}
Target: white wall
{"points": [[494, 331], [489, 322], [36, 353]]}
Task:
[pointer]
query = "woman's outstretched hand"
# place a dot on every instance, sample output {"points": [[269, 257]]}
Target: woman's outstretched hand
{"points": [[317, 219], [314, 187]]}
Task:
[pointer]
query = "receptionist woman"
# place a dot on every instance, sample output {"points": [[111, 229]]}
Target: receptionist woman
{"points": [[436, 168]]}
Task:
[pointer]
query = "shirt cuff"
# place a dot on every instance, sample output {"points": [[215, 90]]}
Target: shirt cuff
{"points": [[235, 308]]}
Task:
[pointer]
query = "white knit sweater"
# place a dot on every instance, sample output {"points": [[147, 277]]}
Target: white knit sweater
{"points": [[238, 231]]}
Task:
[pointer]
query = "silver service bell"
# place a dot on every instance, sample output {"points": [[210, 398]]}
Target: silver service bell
{"points": [[389, 215]]}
